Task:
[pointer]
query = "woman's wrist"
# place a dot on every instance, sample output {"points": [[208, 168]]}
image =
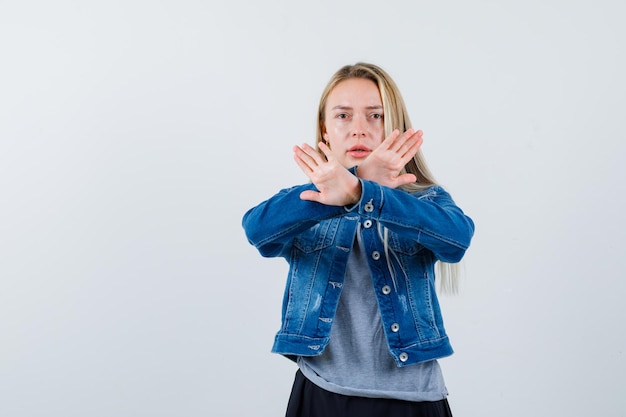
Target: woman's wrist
{"points": [[355, 191]]}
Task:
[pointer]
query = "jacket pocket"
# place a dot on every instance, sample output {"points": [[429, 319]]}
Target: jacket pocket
{"points": [[404, 246], [317, 237]]}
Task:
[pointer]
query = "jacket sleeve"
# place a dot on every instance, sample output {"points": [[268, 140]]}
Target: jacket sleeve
{"points": [[272, 225], [430, 217]]}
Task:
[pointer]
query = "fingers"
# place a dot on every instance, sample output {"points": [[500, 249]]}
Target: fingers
{"points": [[324, 148], [304, 162], [395, 140], [401, 146], [411, 145], [307, 158], [391, 139]]}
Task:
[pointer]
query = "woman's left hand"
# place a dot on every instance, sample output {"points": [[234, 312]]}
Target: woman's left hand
{"points": [[384, 164]]}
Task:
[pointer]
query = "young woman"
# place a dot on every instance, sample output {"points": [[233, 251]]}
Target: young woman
{"points": [[360, 312]]}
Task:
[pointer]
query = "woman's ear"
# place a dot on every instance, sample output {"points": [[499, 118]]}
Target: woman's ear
{"points": [[325, 139]]}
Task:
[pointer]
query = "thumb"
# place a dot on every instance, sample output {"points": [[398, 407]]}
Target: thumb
{"points": [[405, 179], [310, 195]]}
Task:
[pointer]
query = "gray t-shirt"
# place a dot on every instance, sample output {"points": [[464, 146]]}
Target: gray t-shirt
{"points": [[356, 361]]}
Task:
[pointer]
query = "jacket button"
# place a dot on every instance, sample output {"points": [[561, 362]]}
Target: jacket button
{"points": [[386, 289], [395, 327], [369, 207], [367, 224], [375, 255], [403, 357]]}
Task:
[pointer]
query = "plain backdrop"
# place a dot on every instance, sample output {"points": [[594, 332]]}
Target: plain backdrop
{"points": [[134, 135]]}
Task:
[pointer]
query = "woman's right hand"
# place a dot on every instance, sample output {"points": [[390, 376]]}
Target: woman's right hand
{"points": [[336, 185]]}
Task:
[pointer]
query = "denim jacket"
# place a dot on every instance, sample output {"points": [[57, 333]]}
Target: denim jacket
{"points": [[404, 235]]}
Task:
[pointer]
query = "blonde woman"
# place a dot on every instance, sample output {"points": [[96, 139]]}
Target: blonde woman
{"points": [[360, 312]]}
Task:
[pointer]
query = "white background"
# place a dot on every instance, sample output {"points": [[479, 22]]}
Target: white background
{"points": [[135, 134]]}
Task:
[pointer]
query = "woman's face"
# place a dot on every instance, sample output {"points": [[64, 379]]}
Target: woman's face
{"points": [[354, 124]]}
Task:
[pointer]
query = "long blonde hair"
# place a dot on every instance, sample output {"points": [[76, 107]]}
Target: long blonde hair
{"points": [[395, 117]]}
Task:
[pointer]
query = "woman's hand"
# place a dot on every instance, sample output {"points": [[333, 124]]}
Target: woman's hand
{"points": [[384, 164], [336, 185]]}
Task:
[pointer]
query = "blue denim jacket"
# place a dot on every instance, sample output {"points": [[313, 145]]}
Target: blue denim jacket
{"points": [[404, 235]]}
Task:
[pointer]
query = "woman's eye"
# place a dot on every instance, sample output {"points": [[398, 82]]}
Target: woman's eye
{"points": [[377, 116], [342, 116]]}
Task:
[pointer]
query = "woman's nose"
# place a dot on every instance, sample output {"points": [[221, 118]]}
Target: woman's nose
{"points": [[358, 127]]}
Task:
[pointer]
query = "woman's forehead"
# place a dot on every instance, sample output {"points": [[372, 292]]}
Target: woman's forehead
{"points": [[353, 92]]}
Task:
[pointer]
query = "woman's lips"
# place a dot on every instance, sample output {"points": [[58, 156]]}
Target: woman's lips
{"points": [[359, 151]]}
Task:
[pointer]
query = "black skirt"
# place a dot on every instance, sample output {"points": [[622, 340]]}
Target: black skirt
{"points": [[309, 400]]}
